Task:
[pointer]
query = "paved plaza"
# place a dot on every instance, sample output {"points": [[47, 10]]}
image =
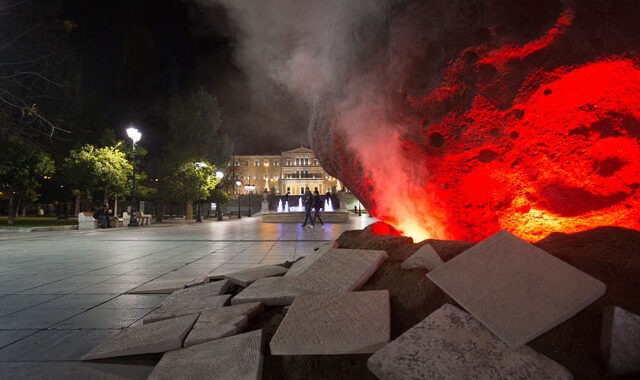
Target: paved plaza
{"points": [[62, 293]]}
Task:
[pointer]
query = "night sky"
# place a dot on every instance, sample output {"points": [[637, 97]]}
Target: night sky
{"points": [[183, 47]]}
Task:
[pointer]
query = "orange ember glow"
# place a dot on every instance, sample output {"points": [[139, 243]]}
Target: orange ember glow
{"points": [[562, 154]]}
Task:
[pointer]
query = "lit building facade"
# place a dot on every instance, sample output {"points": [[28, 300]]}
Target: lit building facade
{"points": [[290, 171]]}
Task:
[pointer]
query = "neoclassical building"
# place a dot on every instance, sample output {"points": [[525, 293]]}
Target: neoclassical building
{"points": [[290, 171]]}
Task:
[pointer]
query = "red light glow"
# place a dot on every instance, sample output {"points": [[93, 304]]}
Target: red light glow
{"points": [[562, 154]]}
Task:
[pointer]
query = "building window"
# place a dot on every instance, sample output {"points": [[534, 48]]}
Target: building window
{"points": [[315, 162], [297, 162], [265, 176], [266, 162], [256, 163], [276, 162], [255, 177], [288, 162], [246, 163], [246, 177], [276, 177], [237, 163]]}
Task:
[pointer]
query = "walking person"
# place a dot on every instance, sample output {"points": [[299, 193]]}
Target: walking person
{"points": [[318, 204], [307, 200], [286, 201]]}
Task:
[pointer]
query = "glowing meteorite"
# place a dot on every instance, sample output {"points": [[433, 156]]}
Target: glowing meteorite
{"points": [[534, 138]]}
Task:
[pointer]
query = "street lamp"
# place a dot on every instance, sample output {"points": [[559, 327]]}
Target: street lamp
{"points": [[135, 136], [250, 189], [219, 175], [199, 213], [238, 183]]}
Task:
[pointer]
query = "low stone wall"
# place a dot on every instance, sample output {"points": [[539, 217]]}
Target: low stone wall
{"points": [[298, 217]]}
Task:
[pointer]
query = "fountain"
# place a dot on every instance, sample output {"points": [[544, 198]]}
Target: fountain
{"points": [[295, 214]]}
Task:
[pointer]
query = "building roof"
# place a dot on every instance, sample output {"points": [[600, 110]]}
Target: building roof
{"points": [[302, 149]]}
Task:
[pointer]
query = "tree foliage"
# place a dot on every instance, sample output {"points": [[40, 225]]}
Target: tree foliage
{"points": [[23, 166], [189, 181], [195, 130], [91, 169]]}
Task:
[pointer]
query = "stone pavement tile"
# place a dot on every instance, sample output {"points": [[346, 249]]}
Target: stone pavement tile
{"points": [[274, 291], [621, 342], [134, 301], [106, 289], [304, 263], [113, 271], [425, 257], [15, 302], [162, 286], [145, 339], [450, 344], [135, 279], [514, 288], [10, 336], [185, 305], [343, 269], [247, 276], [211, 331], [222, 322], [77, 301], [102, 319], [54, 345], [86, 279], [15, 286], [36, 318], [237, 357], [73, 370], [220, 272], [55, 288], [334, 323], [214, 288]]}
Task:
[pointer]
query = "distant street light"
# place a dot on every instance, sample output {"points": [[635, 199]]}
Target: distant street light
{"points": [[199, 212], [238, 183], [250, 189], [219, 175], [135, 136]]}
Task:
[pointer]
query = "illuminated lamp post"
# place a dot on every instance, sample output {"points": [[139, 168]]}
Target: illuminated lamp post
{"points": [[198, 213], [238, 183], [135, 136], [249, 188], [220, 176]]}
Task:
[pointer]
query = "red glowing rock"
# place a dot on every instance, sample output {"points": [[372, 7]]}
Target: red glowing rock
{"points": [[534, 138]]}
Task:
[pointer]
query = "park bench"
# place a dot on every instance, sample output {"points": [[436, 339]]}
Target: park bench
{"points": [[86, 221], [143, 219]]}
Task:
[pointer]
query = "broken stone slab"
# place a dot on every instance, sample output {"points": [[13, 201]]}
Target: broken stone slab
{"points": [[145, 339], [273, 291], [338, 270], [343, 269], [211, 331], [334, 324], [215, 288], [222, 322], [238, 357], [248, 276], [165, 286], [425, 257], [185, 305], [620, 342], [514, 288], [451, 344], [305, 262]]}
